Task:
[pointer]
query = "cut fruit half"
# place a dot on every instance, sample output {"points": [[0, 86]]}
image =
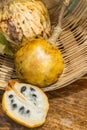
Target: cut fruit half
{"points": [[26, 104]]}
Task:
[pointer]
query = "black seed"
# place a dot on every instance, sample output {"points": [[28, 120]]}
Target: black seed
{"points": [[23, 89], [12, 101], [10, 96], [21, 109], [14, 105], [32, 89], [28, 111], [34, 95]]}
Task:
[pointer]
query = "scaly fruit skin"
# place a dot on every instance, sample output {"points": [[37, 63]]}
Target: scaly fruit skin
{"points": [[38, 62], [24, 19]]}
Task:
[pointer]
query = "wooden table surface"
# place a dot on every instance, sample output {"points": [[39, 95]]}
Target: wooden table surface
{"points": [[68, 110]]}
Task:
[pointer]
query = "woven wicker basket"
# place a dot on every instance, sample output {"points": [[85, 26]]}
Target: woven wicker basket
{"points": [[72, 44]]}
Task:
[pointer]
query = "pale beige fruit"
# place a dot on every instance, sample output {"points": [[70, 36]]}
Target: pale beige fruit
{"points": [[39, 63], [24, 19], [25, 104]]}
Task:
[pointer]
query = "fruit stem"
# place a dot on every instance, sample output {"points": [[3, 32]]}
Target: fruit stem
{"points": [[58, 28]]}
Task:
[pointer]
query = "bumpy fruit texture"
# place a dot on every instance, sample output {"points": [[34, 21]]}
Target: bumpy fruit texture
{"points": [[24, 19], [39, 63], [25, 104]]}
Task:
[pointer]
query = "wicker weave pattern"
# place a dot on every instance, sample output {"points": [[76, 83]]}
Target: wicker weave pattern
{"points": [[72, 43]]}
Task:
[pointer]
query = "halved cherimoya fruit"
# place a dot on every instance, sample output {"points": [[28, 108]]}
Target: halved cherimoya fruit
{"points": [[26, 104]]}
